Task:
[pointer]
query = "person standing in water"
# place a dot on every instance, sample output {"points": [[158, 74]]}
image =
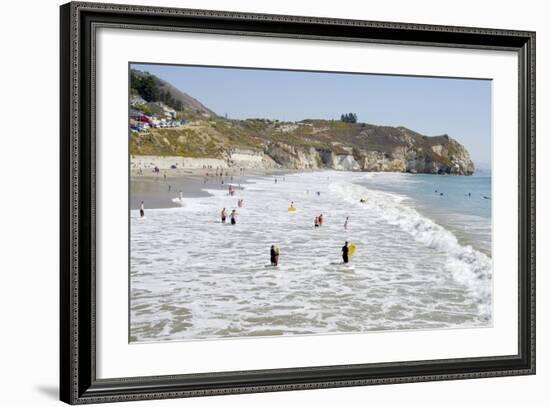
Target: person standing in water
{"points": [[345, 253], [142, 210], [346, 223], [224, 215], [233, 217], [321, 220], [316, 222], [292, 204], [274, 254]]}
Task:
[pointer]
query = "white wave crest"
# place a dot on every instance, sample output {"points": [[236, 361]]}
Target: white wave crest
{"points": [[467, 265]]}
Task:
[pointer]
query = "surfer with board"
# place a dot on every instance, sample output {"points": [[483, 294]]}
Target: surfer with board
{"points": [[291, 208], [345, 252]]}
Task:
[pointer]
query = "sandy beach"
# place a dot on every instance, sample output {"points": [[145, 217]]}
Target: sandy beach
{"points": [[157, 190]]}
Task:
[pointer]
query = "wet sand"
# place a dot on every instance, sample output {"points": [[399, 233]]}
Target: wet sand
{"points": [[157, 191]]}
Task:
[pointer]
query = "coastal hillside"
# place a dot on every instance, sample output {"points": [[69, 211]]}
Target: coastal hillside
{"points": [[308, 144]]}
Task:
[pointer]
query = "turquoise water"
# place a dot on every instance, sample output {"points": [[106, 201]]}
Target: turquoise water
{"points": [[458, 203]]}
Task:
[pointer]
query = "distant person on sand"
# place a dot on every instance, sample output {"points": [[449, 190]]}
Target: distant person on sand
{"points": [[233, 217], [346, 223], [224, 215], [345, 252], [316, 223], [321, 220], [142, 210], [274, 254]]}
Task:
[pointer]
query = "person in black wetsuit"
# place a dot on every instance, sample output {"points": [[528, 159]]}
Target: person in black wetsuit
{"points": [[345, 252], [274, 254]]}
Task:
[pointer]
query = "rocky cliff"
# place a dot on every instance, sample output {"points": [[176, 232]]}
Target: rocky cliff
{"points": [[310, 144]]}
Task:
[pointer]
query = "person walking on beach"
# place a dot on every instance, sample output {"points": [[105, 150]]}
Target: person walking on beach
{"points": [[224, 215], [142, 210], [321, 220], [233, 217], [274, 254], [346, 223], [345, 253]]}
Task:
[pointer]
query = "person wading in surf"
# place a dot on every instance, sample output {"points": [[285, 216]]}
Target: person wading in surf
{"points": [[274, 254], [345, 252]]}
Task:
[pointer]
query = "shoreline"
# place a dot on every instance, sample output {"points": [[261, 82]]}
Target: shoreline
{"points": [[158, 190]]}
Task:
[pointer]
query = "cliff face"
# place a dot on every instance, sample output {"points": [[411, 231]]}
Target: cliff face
{"points": [[437, 160], [308, 145]]}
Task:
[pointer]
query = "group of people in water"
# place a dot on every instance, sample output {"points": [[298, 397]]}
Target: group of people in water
{"points": [[274, 250], [274, 253], [318, 221], [232, 216], [469, 194]]}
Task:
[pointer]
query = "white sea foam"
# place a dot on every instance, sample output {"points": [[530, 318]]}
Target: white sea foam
{"points": [[193, 277], [467, 265]]}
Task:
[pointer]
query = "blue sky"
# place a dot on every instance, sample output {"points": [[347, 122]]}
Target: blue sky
{"points": [[460, 108]]}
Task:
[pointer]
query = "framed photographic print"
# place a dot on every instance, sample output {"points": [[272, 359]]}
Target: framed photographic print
{"points": [[255, 203]]}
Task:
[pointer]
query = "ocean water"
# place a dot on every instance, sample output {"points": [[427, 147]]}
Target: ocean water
{"points": [[423, 260]]}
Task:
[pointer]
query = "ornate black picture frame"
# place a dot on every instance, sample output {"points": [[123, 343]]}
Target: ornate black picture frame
{"points": [[78, 381]]}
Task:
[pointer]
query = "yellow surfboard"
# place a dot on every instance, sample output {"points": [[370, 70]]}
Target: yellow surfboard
{"points": [[352, 249], [291, 209]]}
